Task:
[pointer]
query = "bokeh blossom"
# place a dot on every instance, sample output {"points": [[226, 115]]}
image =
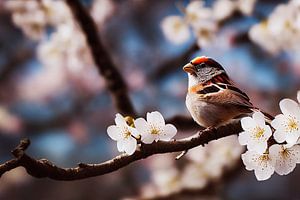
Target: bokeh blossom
{"points": [[199, 167], [34, 16], [280, 31], [204, 21], [176, 29]]}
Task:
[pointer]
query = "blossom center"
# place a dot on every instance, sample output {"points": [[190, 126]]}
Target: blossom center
{"points": [[258, 132], [154, 131], [263, 160], [126, 133], [285, 153], [292, 124]]}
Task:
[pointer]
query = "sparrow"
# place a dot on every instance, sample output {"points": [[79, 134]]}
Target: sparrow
{"points": [[212, 98]]}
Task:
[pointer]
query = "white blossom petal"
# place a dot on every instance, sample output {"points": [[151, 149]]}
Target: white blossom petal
{"points": [[248, 160], [292, 137], [257, 146], [129, 145], [279, 136], [168, 133], [243, 138], [296, 152], [277, 123], [289, 107], [120, 145], [284, 159], [120, 120], [148, 138], [264, 172], [268, 132], [156, 118], [259, 118], [142, 127], [298, 96], [248, 123], [133, 131], [114, 132]]}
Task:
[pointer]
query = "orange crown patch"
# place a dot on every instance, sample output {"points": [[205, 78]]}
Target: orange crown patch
{"points": [[199, 60]]}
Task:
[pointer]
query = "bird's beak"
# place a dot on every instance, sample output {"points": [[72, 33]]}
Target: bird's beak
{"points": [[189, 68]]}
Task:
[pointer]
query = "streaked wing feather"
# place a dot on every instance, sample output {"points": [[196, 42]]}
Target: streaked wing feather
{"points": [[224, 94]]}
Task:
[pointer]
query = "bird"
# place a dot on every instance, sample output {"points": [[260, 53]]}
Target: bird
{"points": [[212, 98]]}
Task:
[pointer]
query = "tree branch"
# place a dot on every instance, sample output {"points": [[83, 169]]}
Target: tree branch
{"points": [[173, 63], [43, 168], [114, 81], [183, 123]]}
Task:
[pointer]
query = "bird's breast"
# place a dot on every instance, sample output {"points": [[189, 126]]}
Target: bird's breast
{"points": [[205, 113]]}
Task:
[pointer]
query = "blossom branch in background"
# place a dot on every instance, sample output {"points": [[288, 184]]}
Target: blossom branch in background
{"points": [[210, 190], [43, 168], [114, 81], [174, 63]]}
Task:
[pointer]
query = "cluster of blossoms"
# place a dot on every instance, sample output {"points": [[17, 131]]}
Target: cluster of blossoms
{"points": [[128, 132], [281, 30], [270, 152], [200, 166], [203, 21], [34, 16], [63, 52]]}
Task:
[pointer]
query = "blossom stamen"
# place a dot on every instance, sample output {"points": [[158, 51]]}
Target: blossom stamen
{"points": [[292, 124], [258, 132]]}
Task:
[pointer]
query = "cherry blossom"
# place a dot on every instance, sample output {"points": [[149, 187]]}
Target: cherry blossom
{"points": [[246, 6], [33, 16], [194, 176], [167, 180], [284, 158], [124, 135], [287, 124], [203, 20], [222, 9], [281, 30], [256, 133], [175, 29], [260, 163], [101, 10], [154, 128]]}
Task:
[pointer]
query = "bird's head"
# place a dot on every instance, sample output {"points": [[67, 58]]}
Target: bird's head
{"points": [[202, 69]]}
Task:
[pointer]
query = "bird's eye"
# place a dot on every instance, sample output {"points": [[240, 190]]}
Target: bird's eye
{"points": [[202, 65]]}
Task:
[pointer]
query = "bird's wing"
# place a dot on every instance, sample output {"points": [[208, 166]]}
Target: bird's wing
{"points": [[224, 93]]}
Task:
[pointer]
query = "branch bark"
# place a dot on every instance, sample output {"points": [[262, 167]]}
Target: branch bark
{"points": [[114, 81], [44, 168]]}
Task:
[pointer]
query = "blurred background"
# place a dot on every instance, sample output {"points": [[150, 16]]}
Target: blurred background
{"points": [[52, 93]]}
